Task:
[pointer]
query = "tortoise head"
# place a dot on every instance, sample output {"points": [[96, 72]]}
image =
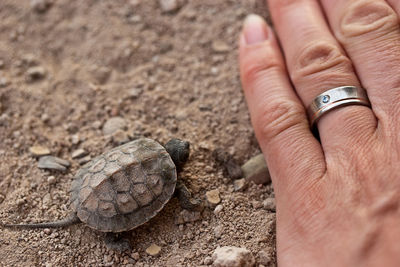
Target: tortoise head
{"points": [[179, 151]]}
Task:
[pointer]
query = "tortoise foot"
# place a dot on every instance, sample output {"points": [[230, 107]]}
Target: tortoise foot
{"points": [[185, 198], [116, 242]]}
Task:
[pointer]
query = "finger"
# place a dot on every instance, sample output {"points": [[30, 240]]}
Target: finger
{"points": [[370, 33], [278, 116], [316, 63]]}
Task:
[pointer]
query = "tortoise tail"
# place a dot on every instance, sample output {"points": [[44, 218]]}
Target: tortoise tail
{"points": [[70, 220]]}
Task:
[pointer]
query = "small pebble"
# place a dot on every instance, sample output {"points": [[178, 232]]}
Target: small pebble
{"points": [[208, 260], [40, 6], [170, 5], [38, 151], [4, 82], [101, 74], [47, 231], [136, 256], [257, 204], [256, 170], [45, 117], [218, 209], [218, 231], [96, 124], [120, 137], [114, 124], [213, 196], [240, 184], [84, 160], [134, 92], [51, 180], [79, 153], [75, 139], [153, 250], [264, 257], [229, 256], [220, 46], [269, 204], [53, 163], [36, 73]]}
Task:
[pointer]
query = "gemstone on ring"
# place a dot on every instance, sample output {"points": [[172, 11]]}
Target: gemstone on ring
{"points": [[334, 98], [326, 98]]}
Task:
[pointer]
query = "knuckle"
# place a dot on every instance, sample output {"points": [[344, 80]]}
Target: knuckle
{"points": [[278, 117], [363, 18], [260, 65], [320, 59]]}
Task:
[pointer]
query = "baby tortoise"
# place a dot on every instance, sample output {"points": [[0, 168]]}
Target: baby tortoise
{"points": [[126, 187]]}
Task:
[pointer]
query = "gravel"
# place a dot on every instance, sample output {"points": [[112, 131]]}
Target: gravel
{"points": [[53, 163]]}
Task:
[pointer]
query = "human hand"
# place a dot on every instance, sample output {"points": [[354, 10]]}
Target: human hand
{"points": [[337, 199]]}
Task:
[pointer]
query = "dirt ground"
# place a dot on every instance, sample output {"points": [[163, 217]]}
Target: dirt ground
{"points": [[66, 67]]}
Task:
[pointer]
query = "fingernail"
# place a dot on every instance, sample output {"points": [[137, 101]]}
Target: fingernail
{"points": [[255, 29]]}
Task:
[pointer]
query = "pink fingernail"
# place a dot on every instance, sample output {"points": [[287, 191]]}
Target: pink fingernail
{"points": [[255, 29]]}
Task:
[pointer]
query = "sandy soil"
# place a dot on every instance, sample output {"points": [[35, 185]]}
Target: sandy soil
{"points": [[68, 67]]}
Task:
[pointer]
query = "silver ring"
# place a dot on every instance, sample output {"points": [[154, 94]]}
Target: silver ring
{"points": [[334, 98]]}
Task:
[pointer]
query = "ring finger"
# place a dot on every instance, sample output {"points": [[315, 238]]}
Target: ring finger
{"points": [[316, 62]]}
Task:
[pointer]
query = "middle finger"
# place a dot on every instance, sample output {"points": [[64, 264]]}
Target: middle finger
{"points": [[316, 62]]}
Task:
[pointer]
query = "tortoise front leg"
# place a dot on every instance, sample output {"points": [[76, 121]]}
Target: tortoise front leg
{"points": [[116, 242], [185, 197]]}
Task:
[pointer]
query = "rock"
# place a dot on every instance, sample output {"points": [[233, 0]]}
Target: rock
{"points": [[39, 151], [220, 46], [51, 180], [218, 231], [35, 73], [240, 184], [53, 163], [4, 82], [186, 216], [75, 139], [257, 204], [114, 124], [79, 153], [169, 6], [84, 160], [264, 257], [218, 209], [256, 170], [120, 137], [40, 6], [153, 250], [136, 256], [101, 74], [229, 256], [269, 204], [134, 92], [45, 117], [213, 196], [208, 260]]}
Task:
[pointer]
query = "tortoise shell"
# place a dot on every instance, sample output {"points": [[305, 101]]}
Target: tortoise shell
{"points": [[124, 187]]}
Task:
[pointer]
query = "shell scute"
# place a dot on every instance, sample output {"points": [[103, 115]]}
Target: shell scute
{"points": [[98, 165], [142, 194], [126, 203], [106, 209]]}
